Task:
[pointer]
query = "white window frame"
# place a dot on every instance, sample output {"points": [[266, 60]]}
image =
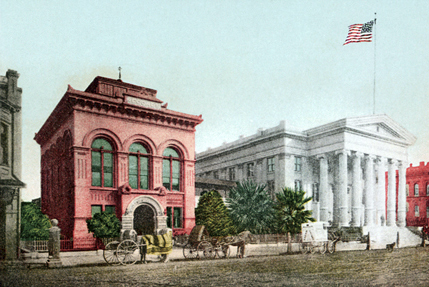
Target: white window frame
{"points": [[298, 163], [270, 164]]}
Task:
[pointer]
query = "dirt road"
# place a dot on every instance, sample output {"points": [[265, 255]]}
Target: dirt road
{"points": [[402, 267]]}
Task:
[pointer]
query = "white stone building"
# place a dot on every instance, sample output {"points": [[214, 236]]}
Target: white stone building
{"points": [[10, 166], [341, 164]]}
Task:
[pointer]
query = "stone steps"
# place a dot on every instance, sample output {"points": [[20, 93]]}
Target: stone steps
{"points": [[382, 235]]}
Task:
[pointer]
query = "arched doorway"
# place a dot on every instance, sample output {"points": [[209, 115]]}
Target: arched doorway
{"points": [[144, 219], [149, 215]]}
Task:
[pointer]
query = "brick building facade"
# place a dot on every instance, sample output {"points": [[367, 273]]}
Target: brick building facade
{"points": [[418, 195], [115, 147]]}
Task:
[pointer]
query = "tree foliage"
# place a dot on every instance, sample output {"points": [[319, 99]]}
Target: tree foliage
{"points": [[213, 214], [250, 207], [104, 225], [34, 224], [290, 210]]}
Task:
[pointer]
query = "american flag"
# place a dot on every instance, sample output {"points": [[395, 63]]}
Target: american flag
{"points": [[360, 33]]}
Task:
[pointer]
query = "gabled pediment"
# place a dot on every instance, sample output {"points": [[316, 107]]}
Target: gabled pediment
{"points": [[376, 126], [381, 126]]}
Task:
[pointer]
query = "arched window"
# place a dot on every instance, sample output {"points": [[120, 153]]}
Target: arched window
{"points": [[416, 189], [171, 169], [138, 167], [102, 163], [427, 189]]}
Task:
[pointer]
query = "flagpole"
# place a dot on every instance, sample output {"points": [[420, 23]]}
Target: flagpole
{"points": [[375, 20]]}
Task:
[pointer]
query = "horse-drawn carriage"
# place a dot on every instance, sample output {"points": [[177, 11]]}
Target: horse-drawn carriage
{"points": [[315, 237], [201, 245], [132, 248]]}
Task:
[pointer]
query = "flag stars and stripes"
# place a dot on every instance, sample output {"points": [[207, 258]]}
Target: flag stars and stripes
{"points": [[360, 33]]}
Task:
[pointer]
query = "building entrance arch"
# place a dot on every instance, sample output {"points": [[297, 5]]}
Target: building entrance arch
{"points": [[144, 219], [145, 215]]}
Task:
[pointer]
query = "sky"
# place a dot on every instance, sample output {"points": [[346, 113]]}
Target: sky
{"points": [[242, 65]]}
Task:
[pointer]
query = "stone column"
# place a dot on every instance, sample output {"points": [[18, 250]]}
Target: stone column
{"points": [[381, 191], [369, 190], [323, 188], [402, 199], [391, 194], [357, 189], [54, 245], [342, 188]]}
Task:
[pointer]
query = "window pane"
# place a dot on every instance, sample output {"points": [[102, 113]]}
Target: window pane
{"points": [[96, 168], [416, 190], [169, 151], [132, 171], [176, 175], [4, 138], [108, 169], [137, 147], [95, 209], [96, 178], [110, 209], [177, 217], [169, 217], [144, 173], [108, 180], [98, 143], [166, 173]]}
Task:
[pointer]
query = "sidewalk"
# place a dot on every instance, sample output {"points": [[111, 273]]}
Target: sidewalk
{"points": [[91, 258]]}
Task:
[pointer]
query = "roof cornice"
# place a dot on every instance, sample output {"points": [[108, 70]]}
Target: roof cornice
{"points": [[74, 100]]}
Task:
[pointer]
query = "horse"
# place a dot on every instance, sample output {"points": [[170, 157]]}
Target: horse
{"points": [[240, 241]]}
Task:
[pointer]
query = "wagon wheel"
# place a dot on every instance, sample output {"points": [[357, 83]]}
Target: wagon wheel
{"points": [[205, 249], [331, 246], [323, 247], [224, 251], [189, 251], [110, 251], [128, 252]]}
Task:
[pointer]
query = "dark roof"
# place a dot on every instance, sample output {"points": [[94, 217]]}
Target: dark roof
{"points": [[211, 183], [12, 182]]}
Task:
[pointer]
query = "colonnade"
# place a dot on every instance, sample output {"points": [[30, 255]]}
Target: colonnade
{"points": [[366, 186]]}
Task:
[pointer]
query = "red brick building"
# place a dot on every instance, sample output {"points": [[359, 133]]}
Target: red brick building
{"points": [[115, 147], [418, 195]]}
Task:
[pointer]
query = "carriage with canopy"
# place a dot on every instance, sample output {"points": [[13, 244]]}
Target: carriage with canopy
{"points": [[315, 237], [132, 247]]}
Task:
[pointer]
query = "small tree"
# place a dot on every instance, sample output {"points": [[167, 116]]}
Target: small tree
{"points": [[213, 214], [104, 225], [290, 210], [250, 207], [34, 224]]}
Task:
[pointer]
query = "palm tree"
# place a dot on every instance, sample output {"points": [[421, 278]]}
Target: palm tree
{"points": [[290, 210], [250, 207]]}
